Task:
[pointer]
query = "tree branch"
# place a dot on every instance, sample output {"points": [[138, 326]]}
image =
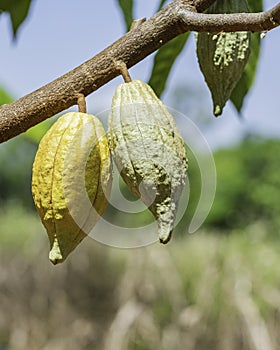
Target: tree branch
{"points": [[178, 17], [251, 22]]}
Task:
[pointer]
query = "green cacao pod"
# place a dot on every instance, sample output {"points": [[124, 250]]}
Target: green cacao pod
{"points": [[222, 56], [71, 180], [148, 151]]}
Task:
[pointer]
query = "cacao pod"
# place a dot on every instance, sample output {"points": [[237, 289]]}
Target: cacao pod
{"points": [[71, 180], [148, 151], [222, 56]]}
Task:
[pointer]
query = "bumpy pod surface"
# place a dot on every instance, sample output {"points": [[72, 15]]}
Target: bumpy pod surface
{"points": [[148, 151], [222, 56], [71, 180]]}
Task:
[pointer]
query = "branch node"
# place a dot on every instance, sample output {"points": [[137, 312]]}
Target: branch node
{"points": [[81, 101], [136, 23]]}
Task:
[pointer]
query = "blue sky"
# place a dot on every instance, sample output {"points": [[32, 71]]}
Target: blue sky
{"points": [[60, 35]]}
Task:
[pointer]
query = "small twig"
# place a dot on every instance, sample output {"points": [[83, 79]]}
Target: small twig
{"points": [[122, 67], [81, 101]]}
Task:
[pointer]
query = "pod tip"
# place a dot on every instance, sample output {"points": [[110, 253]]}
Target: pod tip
{"points": [[55, 255]]}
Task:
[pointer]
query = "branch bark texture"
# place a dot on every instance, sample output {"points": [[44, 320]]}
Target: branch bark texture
{"points": [[178, 17]]}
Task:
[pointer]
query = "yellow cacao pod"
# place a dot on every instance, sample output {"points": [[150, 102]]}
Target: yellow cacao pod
{"points": [[222, 56], [71, 180], [148, 151]]}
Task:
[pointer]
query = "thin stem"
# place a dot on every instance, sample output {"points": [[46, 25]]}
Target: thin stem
{"points": [[81, 101], [122, 67]]}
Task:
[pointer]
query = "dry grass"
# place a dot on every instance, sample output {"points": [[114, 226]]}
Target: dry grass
{"points": [[205, 291]]}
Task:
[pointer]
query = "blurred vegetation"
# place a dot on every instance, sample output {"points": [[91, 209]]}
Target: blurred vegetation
{"points": [[205, 291], [16, 158], [248, 185]]}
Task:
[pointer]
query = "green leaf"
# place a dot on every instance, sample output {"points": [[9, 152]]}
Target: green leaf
{"points": [[5, 97], [160, 6], [164, 60], [255, 5], [127, 10], [18, 10], [248, 76]]}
